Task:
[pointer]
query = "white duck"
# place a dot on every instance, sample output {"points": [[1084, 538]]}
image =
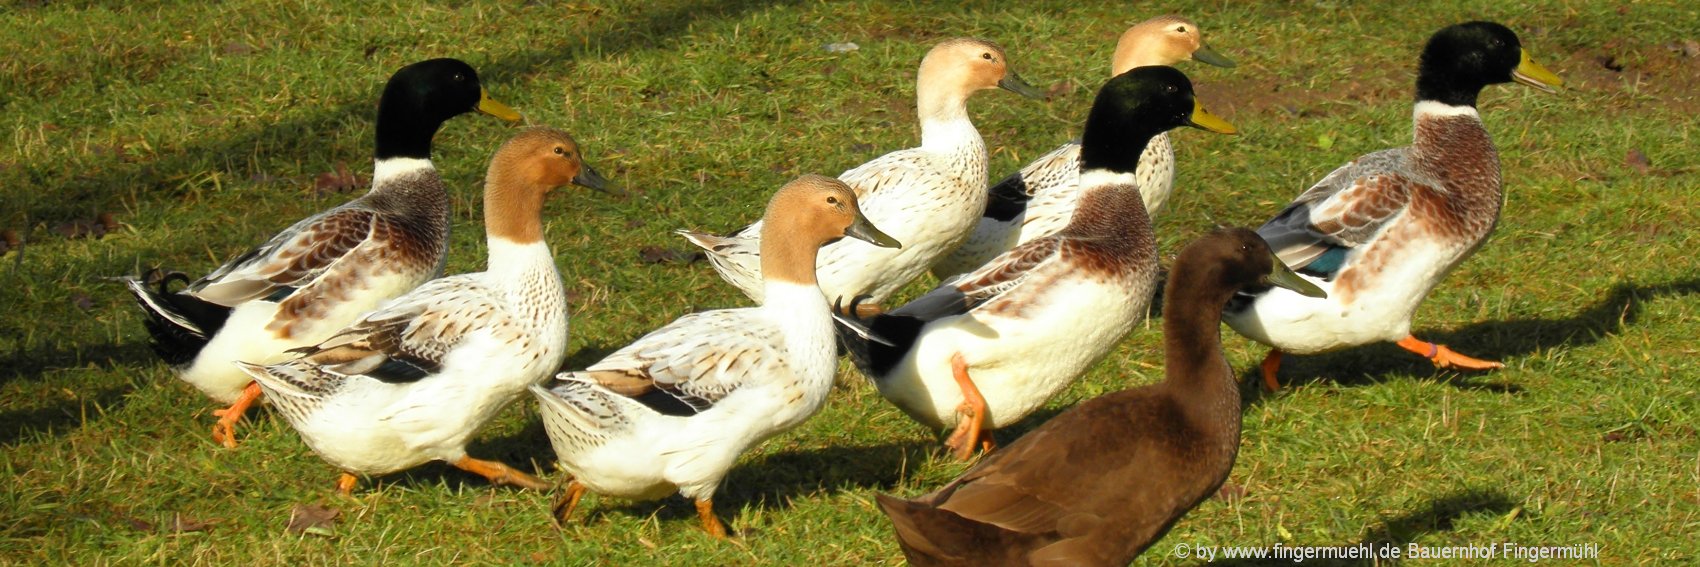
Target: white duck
{"points": [[1380, 232], [414, 380], [320, 274], [929, 197], [672, 411], [983, 350], [1038, 200]]}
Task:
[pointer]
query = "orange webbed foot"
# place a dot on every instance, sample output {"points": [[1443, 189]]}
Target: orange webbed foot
{"points": [[1447, 358]]}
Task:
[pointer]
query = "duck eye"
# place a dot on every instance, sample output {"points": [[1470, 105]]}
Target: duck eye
{"points": [[560, 151], [1171, 89], [831, 200], [986, 56], [1181, 29], [460, 77]]}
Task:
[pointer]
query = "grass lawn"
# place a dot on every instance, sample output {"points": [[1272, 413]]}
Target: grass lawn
{"points": [[198, 129]]}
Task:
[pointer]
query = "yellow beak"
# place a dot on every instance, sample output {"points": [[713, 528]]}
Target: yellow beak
{"points": [[1533, 74], [1207, 121], [495, 108]]}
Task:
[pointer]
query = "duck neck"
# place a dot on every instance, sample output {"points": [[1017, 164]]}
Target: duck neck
{"points": [[1192, 337], [513, 209], [403, 129], [1109, 162], [787, 258], [943, 113], [1108, 201], [1450, 143]]}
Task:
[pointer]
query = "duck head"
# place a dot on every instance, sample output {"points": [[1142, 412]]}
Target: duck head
{"points": [[957, 68], [1232, 259], [1461, 59], [1135, 106], [1163, 40], [524, 171], [420, 97]]}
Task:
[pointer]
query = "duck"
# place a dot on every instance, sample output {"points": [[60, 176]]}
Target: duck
{"points": [[414, 380], [672, 411], [1101, 482], [1038, 200], [929, 196], [985, 349], [1383, 230], [321, 273]]}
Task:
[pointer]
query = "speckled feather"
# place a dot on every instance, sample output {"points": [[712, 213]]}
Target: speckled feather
{"points": [[399, 228], [698, 359]]}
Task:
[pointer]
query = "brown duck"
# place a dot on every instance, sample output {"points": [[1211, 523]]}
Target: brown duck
{"points": [[1103, 481]]}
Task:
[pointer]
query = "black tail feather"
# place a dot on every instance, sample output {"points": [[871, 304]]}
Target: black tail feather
{"points": [[874, 357], [180, 324]]}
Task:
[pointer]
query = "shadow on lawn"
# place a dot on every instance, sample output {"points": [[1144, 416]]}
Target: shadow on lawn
{"points": [[774, 481], [1490, 340], [304, 136], [60, 413], [1401, 530]]}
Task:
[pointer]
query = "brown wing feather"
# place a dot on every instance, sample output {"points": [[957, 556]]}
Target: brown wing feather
{"points": [[292, 259]]}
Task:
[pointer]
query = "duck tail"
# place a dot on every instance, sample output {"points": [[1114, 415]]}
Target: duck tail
{"points": [[878, 343], [180, 324], [577, 412], [915, 522]]}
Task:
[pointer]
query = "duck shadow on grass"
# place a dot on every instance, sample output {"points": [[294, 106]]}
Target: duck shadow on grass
{"points": [[1399, 531], [60, 414], [302, 136], [772, 482], [1489, 340]]}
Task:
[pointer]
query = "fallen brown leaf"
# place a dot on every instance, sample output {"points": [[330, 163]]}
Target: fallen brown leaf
{"points": [[1638, 161], [180, 524], [313, 519], [1063, 88]]}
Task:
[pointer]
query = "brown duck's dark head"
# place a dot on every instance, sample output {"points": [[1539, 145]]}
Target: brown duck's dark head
{"points": [[1232, 259]]}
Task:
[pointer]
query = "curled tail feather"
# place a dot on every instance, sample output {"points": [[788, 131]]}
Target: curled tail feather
{"points": [[180, 324]]}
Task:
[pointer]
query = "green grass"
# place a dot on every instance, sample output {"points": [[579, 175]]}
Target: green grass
{"points": [[200, 126]]}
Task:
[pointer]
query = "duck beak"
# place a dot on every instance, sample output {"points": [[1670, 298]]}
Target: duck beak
{"points": [[1012, 82], [863, 230], [1533, 74], [1207, 121], [495, 108], [588, 177], [1283, 276], [1204, 54]]}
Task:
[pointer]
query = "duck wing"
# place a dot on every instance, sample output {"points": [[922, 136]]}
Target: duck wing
{"points": [[997, 277], [1347, 209], [697, 360], [292, 258], [407, 340]]}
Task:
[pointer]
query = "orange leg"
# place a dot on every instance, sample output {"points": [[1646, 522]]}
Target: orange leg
{"points": [[973, 409], [499, 473], [224, 432], [1271, 365], [1444, 357], [710, 522], [345, 484], [564, 507]]}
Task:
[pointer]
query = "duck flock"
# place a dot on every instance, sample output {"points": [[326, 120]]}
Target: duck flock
{"points": [[344, 324]]}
